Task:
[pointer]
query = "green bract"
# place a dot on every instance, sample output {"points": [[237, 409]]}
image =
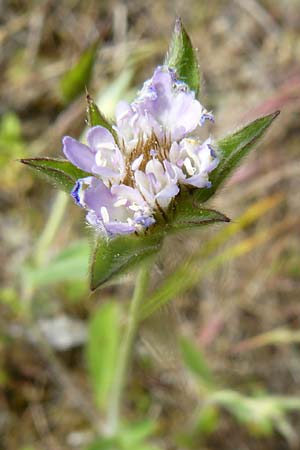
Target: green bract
{"points": [[183, 58], [59, 172]]}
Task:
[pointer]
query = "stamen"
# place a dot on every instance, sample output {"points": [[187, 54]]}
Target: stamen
{"points": [[120, 202], [104, 214]]}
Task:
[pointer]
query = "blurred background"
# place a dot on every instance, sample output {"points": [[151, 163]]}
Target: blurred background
{"points": [[235, 383]]}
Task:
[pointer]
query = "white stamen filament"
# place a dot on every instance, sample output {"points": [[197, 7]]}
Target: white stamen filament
{"points": [[120, 202], [104, 214]]}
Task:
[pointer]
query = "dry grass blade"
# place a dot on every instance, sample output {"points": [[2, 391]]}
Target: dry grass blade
{"points": [[189, 273]]}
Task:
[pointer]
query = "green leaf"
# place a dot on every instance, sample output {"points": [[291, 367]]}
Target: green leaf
{"points": [[195, 361], [114, 256], [232, 149], [190, 214], [70, 264], [182, 57], [11, 141], [103, 444], [102, 350], [134, 435], [74, 81], [96, 117], [59, 172], [208, 420]]}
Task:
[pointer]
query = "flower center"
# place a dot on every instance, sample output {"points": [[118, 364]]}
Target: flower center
{"points": [[146, 150]]}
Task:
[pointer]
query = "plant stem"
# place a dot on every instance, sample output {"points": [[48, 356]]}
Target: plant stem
{"points": [[118, 386], [54, 220]]}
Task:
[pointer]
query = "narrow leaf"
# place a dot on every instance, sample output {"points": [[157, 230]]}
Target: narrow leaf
{"points": [[134, 435], [232, 149], [114, 256], [195, 361], [74, 81], [102, 350], [59, 172], [182, 57]]}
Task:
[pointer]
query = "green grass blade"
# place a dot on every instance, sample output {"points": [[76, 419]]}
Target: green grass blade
{"points": [[102, 350]]}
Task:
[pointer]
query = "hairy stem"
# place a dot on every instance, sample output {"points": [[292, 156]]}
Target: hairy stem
{"points": [[113, 417]]}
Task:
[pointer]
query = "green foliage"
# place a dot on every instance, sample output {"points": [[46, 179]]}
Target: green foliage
{"points": [[195, 362], [232, 149], [182, 57], [262, 415], [102, 350], [130, 437], [70, 264], [11, 141], [113, 256], [103, 444], [75, 79], [208, 420], [27, 448], [12, 146], [59, 172], [95, 116], [134, 436], [190, 214], [11, 299]]}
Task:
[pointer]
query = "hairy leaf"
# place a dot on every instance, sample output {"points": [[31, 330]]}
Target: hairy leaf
{"points": [[59, 172], [190, 214], [95, 116], [114, 256], [232, 149], [182, 57]]}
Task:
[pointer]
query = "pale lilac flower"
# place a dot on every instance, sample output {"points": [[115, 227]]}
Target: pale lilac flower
{"points": [[100, 157], [165, 106], [158, 184], [136, 173], [117, 210], [195, 161]]}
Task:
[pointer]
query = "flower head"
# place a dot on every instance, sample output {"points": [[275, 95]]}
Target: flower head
{"points": [[136, 172], [165, 106]]}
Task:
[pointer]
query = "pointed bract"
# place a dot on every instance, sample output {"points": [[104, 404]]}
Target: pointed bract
{"points": [[60, 172], [233, 148], [113, 257], [182, 57], [95, 116]]}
